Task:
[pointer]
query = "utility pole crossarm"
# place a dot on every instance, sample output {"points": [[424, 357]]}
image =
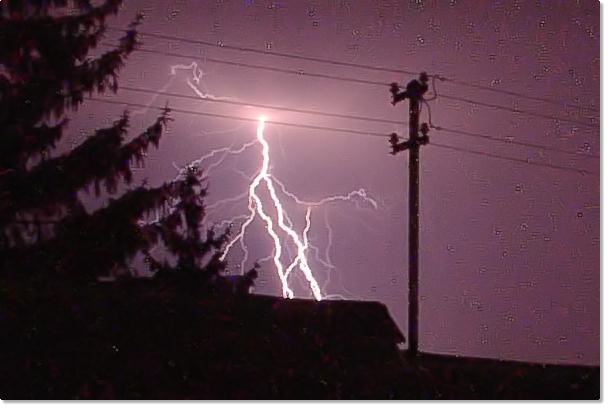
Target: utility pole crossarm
{"points": [[414, 92]]}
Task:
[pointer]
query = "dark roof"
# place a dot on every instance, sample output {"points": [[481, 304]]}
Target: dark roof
{"points": [[354, 320]]}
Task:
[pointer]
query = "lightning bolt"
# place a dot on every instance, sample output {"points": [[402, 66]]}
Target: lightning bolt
{"points": [[256, 207], [296, 246]]}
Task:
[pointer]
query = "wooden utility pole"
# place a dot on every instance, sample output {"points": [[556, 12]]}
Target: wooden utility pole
{"points": [[414, 92]]}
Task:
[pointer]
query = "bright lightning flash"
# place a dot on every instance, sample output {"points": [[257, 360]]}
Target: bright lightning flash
{"points": [[256, 207], [274, 216]]}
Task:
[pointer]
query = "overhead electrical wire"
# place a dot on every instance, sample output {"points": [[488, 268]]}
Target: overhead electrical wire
{"points": [[511, 141], [354, 117], [265, 106], [234, 117], [270, 53], [507, 139], [303, 73], [344, 130], [523, 161], [360, 66], [517, 110], [519, 95]]}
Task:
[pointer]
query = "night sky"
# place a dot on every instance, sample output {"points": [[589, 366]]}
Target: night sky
{"points": [[509, 259]]}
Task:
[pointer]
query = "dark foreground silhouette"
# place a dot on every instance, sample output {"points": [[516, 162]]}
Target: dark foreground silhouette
{"points": [[140, 341]]}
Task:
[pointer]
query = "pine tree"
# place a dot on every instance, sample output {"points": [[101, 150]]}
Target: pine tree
{"points": [[180, 232], [45, 231]]}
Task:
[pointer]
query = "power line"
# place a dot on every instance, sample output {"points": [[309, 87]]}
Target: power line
{"points": [[266, 106], [271, 53], [233, 117], [519, 95], [510, 141], [351, 117], [516, 110], [523, 161], [302, 73], [360, 66], [339, 130]]}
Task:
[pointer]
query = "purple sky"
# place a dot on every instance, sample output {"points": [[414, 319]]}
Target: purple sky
{"points": [[509, 250]]}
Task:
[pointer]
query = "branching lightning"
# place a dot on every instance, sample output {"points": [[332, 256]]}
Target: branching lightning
{"points": [[301, 245], [287, 242]]}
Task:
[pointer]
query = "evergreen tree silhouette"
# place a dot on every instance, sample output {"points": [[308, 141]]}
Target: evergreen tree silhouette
{"points": [[45, 231]]}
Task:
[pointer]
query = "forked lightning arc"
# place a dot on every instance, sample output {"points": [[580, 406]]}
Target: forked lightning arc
{"points": [[273, 214]]}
